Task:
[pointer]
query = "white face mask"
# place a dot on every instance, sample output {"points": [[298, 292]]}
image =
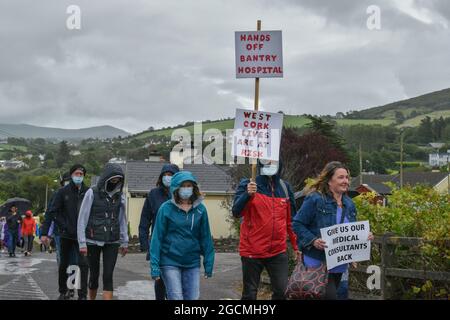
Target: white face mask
{"points": [[269, 170], [166, 181]]}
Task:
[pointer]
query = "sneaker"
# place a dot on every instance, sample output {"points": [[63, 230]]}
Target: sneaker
{"points": [[26, 253], [14, 255]]}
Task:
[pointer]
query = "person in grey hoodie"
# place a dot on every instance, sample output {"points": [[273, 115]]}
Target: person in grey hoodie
{"points": [[103, 228]]}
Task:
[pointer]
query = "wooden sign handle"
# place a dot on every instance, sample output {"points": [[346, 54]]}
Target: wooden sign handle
{"points": [[256, 106]]}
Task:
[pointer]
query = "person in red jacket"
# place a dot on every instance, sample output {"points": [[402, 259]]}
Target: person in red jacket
{"points": [[28, 231], [265, 208]]}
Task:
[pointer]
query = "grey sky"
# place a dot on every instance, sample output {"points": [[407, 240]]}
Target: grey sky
{"points": [[137, 63]]}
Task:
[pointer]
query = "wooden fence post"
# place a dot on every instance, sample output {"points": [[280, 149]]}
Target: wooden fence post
{"points": [[387, 260]]}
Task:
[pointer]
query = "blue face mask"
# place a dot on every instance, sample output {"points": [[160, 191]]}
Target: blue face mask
{"points": [[166, 181], [77, 180], [185, 192], [269, 170]]}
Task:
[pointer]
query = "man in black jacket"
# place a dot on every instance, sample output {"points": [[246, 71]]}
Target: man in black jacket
{"points": [[13, 222], [65, 209]]}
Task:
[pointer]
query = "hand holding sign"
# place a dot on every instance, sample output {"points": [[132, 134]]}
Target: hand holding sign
{"points": [[251, 188], [320, 244]]}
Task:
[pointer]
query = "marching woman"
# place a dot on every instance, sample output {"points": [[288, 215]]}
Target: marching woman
{"points": [[155, 198], [103, 228], [325, 205], [181, 235]]}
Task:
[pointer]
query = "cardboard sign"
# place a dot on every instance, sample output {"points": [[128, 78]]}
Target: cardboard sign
{"points": [[257, 134], [259, 54], [346, 243]]}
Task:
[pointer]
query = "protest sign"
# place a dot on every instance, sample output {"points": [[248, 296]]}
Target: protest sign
{"points": [[259, 54], [257, 134], [346, 243]]}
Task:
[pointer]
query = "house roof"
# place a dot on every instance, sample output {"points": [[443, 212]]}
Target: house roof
{"points": [[142, 176], [377, 181], [379, 188]]}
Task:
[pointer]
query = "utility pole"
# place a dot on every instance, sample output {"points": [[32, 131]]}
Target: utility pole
{"points": [[448, 174], [401, 158], [46, 196], [360, 165]]}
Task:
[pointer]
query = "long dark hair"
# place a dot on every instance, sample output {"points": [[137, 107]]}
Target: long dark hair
{"points": [[321, 183]]}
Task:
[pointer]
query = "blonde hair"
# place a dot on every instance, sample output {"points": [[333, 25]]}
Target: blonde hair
{"points": [[320, 184]]}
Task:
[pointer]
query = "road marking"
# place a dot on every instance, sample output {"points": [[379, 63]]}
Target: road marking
{"points": [[20, 265], [22, 288]]}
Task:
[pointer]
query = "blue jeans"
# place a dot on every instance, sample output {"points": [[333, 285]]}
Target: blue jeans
{"points": [[58, 247], [181, 283], [13, 235]]}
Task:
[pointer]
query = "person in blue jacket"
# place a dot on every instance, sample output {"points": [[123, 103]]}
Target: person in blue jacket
{"points": [[155, 198], [180, 236], [325, 205]]}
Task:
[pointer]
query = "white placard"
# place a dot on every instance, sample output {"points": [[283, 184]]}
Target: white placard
{"points": [[259, 54], [257, 134], [346, 243]]}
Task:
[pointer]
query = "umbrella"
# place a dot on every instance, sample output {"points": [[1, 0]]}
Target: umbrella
{"points": [[21, 204], [300, 196]]}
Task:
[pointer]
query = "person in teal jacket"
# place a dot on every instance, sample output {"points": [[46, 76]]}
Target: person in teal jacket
{"points": [[181, 235]]}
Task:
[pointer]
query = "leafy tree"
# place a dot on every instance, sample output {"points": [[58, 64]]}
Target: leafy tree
{"points": [[425, 130], [326, 129], [63, 154], [413, 211], [304, 156]]}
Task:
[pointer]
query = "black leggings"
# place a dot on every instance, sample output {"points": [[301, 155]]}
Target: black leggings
{"points": [[110, 252]]}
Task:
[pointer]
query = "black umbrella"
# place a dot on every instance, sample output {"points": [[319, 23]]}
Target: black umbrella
{"points": [[21, 204]]}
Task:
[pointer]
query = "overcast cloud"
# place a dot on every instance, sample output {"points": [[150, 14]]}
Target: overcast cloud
{"points": [[137, 63]]}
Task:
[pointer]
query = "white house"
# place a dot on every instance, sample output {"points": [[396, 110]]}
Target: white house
{"points": [[12, 164], [439, 159]]}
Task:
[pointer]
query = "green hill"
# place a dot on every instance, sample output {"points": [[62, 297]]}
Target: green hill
{"points": [[290, 121], [434, 105]]}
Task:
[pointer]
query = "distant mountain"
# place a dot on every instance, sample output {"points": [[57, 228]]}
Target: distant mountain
{"points": [[434, 105], [29, 131]]}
